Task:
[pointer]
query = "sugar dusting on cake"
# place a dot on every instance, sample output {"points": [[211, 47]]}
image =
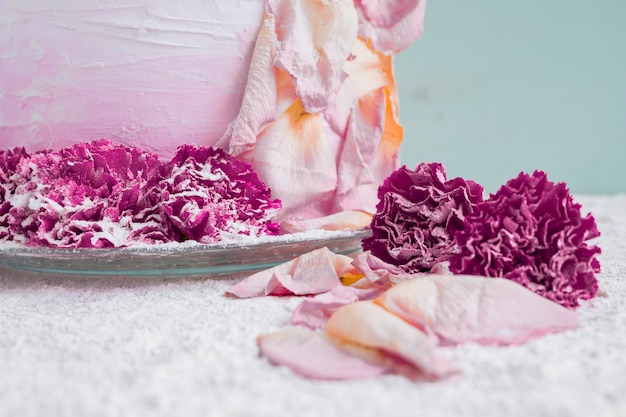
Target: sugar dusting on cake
{"points": [[103, 195]]}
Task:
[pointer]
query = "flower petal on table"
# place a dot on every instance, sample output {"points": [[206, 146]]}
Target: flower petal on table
{"points": [[311, 273], [368, 325], [377, 271], [311, 354], [314, 312], [484, 310]]}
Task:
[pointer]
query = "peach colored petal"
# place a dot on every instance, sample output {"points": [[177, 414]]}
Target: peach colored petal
{"points": [[316, 38], [258, 106], [389, 32], [370, 151], [312, 273], [294, 157], [367, 70], [368, 325], [378, 272], [461, 308], [349, 219], [367, 102], [312, 355]]}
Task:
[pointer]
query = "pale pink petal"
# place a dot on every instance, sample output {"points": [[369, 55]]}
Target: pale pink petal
{"points": [[378, 271], [368, 325], [368, 70], [343, 220], [310, 354], [314, 312], [386, 13], [390, 32], [294, 157], [365, 111], [461, 309], [258, 106], [312, 273], [364, 162], [356, 176], [316, 38]]}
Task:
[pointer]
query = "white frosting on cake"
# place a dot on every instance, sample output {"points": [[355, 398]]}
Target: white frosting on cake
{"points": [[152, 73]]}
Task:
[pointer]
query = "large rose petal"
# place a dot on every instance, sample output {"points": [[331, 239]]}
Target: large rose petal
{"points": [[459, 309]]}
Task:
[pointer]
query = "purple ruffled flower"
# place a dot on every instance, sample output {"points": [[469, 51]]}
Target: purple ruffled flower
{"points": [[210, 194], [95, 195], [102, 194], [418, 214], [9, 161], [532, 232]]}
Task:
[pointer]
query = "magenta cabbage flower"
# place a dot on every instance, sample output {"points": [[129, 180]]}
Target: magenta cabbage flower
{"points": [[209, 194], [95, 195], [9, 161], [532, 232], [417, 216], [102, 195]]}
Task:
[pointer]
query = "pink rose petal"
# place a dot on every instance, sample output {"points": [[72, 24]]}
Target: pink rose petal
{"points": [[311, 354], [484, 310], [258, 106], [314, 312], [391, 25], [316, 39], [378, 271], [312, 273], [368, 325]]}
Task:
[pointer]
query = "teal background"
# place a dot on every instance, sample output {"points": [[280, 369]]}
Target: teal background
{"points": [[498, 87]]}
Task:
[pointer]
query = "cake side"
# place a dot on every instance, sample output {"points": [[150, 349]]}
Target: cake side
{"points": [[302, 90], [154, 74]]}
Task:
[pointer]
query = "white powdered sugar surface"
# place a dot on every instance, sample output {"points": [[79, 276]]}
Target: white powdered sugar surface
{"points": [[73, 346]]}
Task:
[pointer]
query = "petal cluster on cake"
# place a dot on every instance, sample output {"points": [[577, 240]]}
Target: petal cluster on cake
{"points": [[532, 232], [417, 216], [319, 115], [102, 194]]}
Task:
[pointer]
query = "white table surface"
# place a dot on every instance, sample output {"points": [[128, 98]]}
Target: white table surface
{"points": [[170, 347]]}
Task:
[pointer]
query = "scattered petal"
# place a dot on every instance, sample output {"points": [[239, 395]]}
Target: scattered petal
{"points": [[312, 273], [314, 312], [460, 309], [311, 354], [368, 325]]}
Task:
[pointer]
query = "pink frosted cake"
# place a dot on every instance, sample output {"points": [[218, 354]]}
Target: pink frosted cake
{"points": [[301, 90]]}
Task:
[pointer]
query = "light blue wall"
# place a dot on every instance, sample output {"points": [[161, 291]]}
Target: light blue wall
{"points": [[495, 87]]}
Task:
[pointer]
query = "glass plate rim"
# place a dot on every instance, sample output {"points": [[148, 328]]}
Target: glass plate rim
{"points": [[179, 260]]}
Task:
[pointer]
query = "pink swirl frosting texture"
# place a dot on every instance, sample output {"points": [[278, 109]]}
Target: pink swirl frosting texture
{"points": [[303, 90]]}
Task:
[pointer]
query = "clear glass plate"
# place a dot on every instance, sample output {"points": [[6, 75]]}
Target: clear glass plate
{"points": [[186, 259]]}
